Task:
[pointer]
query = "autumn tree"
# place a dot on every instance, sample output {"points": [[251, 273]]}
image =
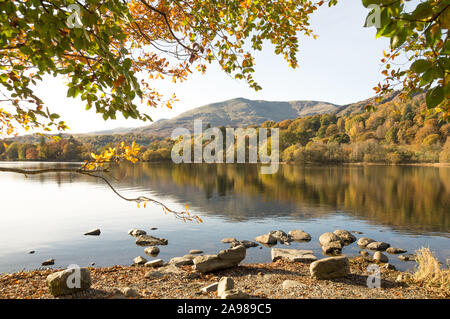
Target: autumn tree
{"points": [[421, 34], [111, 50]]}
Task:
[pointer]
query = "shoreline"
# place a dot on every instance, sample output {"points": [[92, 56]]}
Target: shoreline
{"points": [[425, 164], [273, 280]]}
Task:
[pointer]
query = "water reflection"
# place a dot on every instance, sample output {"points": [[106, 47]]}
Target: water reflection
{"points": [[407, 198]]}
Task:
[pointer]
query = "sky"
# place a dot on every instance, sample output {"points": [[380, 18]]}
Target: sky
{"points": [[341, 66]]}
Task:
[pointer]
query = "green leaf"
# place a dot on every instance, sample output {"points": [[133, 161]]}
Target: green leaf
{"points": [[434, 96], [420, 66]]}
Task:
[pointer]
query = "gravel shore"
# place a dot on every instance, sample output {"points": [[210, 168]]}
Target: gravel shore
{"points": [[257, 280]]}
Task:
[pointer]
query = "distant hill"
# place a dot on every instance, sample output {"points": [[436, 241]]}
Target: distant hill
{"points": [[238, 112]]}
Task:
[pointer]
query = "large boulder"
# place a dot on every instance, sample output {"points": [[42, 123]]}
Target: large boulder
{"points": [[378, 245], [364, 241], [69, 281], [147, 240], [266, 239], [330, 268], [346, 237], [299, 235], [327, 238], [293, 255], [224, 259]]}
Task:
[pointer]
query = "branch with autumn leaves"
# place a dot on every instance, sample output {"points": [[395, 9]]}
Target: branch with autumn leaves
{"points": [[98, 166]]}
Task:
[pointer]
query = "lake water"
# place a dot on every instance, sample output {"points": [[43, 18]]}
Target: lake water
{"points": [[406, 206]]}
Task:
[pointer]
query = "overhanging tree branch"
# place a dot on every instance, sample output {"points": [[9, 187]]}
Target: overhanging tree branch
{"points": [[184, 215]]}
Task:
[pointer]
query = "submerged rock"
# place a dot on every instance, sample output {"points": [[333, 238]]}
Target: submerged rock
{"points": [[152, 251], [378, 245], [364, 241], [266, 239], [93, 232], [147, 240], [195, 252], [245, 243], [281, 236], [299, 235], [346, 237], [224, 259], [407, 257], [364, 253], [333, 248], [395, 250], [293, 255], [136, 232], [62, 283], [229, 240], [330, 268]]}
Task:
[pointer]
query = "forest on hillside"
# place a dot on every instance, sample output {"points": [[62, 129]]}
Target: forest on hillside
{"points": [[397, 131]]}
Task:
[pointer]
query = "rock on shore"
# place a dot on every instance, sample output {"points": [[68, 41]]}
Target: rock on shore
{"points": [[293, 255], [330, 268], [58, 281], [224, 259]]}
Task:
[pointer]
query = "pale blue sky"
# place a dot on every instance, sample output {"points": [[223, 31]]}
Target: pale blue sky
{"points": [[340, 67]]}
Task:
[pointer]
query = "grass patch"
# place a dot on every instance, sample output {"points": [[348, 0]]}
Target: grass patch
{"points": [[430, 273]]}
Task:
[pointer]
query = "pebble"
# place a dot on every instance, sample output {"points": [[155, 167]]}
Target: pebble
{"points": [[210, 288], [154, 263], [139, 260], [48, 262]]}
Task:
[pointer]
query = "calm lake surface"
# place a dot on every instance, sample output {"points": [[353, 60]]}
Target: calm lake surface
{"points": [[406, 206]]}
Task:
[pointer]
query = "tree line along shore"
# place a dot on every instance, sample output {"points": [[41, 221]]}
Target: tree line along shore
{"points": [[395, 132]]}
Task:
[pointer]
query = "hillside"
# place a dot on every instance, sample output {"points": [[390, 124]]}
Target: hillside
{"points": [[238, 112]]}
